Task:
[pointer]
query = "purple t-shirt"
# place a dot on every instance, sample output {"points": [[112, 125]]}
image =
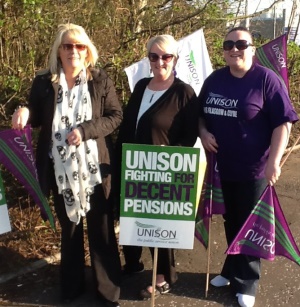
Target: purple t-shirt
{"points": [[242, 113]]}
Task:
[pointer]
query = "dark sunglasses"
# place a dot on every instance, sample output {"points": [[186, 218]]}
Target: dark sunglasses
{"points": [[240, 45], [79, 47], [153, 57]]}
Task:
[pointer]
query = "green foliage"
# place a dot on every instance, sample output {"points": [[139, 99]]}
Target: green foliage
{"points": [[119, 29], [294, 76], [12, 83], [293, 59]]}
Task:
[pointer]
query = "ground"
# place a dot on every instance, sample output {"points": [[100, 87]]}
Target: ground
{"points": [[279, 285]]}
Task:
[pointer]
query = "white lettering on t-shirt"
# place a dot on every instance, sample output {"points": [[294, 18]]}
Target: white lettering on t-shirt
{"points": [[222, 105], [221, 101], [221, 112]]}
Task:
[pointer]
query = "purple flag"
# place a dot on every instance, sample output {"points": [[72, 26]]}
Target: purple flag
{"points": [[211, 200], [16, 154], [274, 56], [266, 234]]}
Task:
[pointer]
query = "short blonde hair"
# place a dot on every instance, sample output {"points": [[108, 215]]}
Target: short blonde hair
{"points": [[79, 34], [164, 41]]}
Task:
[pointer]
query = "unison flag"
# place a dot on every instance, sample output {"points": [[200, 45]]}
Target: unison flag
{"points": [[193, 65], [274, 56], [211, 201], [16, 154], [266, 234]]}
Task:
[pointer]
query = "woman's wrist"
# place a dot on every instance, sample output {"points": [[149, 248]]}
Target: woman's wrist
{"points": [[80, 131]]}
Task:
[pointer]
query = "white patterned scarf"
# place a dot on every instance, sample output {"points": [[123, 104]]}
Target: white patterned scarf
{"points": [[76, 167]]}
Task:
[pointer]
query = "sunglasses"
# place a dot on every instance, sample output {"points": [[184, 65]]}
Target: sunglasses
{"points": [[153, 57], [79, 47], [240, 45]]}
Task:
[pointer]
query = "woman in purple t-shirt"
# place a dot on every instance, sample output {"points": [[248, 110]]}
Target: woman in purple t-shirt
{"points": [[246, 116]]}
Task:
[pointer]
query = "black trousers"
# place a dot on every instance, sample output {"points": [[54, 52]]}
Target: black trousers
{"points": [[105, 261], [240, 198], [165, 260]]}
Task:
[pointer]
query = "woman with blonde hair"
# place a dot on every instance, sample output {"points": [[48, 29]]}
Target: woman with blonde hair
{"points": [[76, 108], [160, 111]]}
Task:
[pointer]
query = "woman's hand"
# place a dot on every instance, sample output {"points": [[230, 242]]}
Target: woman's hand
{"points": [[208, 141], [20, 118], [272, 172], [279, 141], [75, 137]]}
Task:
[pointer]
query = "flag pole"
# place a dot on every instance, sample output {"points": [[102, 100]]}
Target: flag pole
{"points": [[208, 244], [209, 227], [290, 151], [208, 259], [154, 276]]}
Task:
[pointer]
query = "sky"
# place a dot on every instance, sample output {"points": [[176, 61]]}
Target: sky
{"points": [[258, 5], [286, 4], [261, 4]]}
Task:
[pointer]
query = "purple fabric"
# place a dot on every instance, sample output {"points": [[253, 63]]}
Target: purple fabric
{"points": [[274, 56], [241, 113], [211, 200], [16, 154], [213, 196], [266, 233]]}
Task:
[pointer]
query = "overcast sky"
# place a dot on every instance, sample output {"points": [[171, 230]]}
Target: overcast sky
{"points": [[261, 4]]}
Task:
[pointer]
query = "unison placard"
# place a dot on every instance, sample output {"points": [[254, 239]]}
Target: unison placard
{"points": [[160, 188]]}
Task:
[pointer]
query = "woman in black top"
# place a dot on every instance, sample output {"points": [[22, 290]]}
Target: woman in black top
{"points": [[160, 112]]}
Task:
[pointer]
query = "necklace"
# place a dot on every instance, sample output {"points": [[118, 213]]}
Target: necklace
{"points": [[152, 97]]}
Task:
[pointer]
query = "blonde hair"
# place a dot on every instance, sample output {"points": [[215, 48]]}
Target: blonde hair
{"points": [[164, 41], [78, 33]]}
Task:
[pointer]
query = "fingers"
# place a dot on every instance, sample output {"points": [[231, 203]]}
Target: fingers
{"points": [[213, 144], [18, 123], [213, 149], [72, 140], [273, 180], [209, 143], [20, 118], [272, 174], [74, 137]]}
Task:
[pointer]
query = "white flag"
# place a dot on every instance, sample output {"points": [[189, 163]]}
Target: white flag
{"points": [[4, 218], [193, 64]]}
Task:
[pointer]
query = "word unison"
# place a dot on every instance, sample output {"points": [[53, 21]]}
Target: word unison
{"points": [[161, 161]]}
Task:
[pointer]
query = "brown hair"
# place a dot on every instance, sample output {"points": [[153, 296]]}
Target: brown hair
{"points": [[240, 28]]}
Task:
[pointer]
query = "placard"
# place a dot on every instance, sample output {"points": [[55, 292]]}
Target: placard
{"points": [[160, 190]]}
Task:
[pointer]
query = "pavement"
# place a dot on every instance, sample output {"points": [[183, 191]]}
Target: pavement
{"points": [[279, 284]]}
